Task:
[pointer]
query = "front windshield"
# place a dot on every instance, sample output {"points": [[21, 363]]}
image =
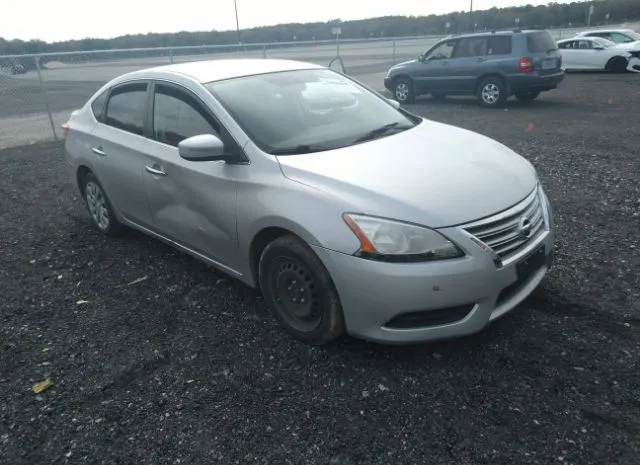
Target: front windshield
{"points": [[634, 35], [306, 111]]}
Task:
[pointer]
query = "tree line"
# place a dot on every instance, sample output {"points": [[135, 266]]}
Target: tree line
{"points": [[553, 15]]}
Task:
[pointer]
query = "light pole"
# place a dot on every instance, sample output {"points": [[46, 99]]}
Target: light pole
{"points": [[235, 4], [471, 15]]}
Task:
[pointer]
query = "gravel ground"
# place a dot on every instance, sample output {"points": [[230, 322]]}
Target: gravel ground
{"points": [[186, 366]]}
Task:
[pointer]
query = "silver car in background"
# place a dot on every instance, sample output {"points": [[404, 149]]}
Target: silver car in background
{"points": [[349, 213]]}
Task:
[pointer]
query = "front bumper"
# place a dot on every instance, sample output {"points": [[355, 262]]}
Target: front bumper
{"points": [[634, 65], [462, 295], [388, 83]]}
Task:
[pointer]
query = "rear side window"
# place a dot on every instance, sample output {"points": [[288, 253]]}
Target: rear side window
{"points": [[126, 107], [540, 42], [97, 106], [499, 45]]}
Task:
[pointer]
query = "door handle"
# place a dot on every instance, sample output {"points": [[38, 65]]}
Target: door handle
{"points": [[155, 171], [98, 151], [445, 63]]}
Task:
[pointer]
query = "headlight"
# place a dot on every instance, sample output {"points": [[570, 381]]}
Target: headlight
{"points": [[397, 241]]}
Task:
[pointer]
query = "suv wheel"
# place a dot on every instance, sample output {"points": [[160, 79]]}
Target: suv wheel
{"points": [[403, 90], [492, 92], [527, 96]]}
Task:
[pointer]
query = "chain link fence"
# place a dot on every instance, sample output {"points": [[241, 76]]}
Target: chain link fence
{"points": [[37, 93]]}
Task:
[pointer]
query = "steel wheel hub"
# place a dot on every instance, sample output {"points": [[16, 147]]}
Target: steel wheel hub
{"points": [[402, 91], [296, 294]]}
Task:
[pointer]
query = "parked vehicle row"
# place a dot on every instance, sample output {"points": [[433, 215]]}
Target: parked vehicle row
{"points": [[494, 66]]}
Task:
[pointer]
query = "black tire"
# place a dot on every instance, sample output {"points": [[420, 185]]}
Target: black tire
{"points": [[403, 90], [492, 92], [299, 291], [527, 96], [99, 206], [617, 65], [439, 96]]}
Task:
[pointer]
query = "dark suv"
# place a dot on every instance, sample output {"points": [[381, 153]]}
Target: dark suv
{"points": [[491, 65]]}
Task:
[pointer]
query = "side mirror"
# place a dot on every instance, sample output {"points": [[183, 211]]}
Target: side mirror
{"points": [[394, 103], [421, 57], [204, 147]]}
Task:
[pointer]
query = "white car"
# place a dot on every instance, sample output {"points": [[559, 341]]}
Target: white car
{"points": [[618, 36], [595, 53]]}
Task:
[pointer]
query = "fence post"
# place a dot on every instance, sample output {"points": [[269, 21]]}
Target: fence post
{"points": [[171, 55], [44, 96], [394, 52], [264, 51]]}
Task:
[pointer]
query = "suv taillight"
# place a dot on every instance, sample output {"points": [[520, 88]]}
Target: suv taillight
{"points": [[526, 65]]}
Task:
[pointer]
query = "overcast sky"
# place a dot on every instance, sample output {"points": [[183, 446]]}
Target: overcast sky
{"points": [[76, 19]]}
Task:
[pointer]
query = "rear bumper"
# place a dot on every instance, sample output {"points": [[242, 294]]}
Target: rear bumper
{"points": [[536, 82]]}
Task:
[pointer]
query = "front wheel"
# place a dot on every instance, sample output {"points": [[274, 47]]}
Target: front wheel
{"points": [[617, 65], [403, 90], [527, 96], [299, 291], [492, 92]]}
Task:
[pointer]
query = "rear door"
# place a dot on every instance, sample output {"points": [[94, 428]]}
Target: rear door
{"points": [[544, 52], [118, 150]]}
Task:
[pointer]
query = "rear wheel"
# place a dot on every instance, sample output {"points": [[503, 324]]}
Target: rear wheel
{"points": [[299, 291], [99, 206], [403, 90], [617, 65], [492, 92], [527, 96]]}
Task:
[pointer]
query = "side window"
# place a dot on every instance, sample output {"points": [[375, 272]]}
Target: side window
{"points": [[177, 116], [499, 45], [442, 51], [126, 107], [619, 38], [471, 47], [97, 106], [585, 44]]}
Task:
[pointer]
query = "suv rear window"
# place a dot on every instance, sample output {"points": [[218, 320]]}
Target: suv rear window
{"points": [[540, 42]]}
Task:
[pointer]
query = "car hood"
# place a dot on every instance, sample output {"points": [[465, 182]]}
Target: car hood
{"points": [[629, 46], [434, 174], [403, 64]]}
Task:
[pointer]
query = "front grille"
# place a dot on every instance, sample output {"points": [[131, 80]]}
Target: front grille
{"points": [[510, 231]]}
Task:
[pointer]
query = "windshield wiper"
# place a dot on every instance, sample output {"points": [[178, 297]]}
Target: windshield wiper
{"points": [[373, 134], [299, 149]]}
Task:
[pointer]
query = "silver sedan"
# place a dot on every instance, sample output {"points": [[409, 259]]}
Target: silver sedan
{"points": [[349, 213]]}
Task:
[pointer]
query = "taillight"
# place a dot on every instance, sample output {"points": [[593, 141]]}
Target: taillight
{"points": [[526, 65], [65, 130]]}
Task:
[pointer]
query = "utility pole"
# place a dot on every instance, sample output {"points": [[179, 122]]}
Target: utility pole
{"points": [[235, 4], [471, 16]]}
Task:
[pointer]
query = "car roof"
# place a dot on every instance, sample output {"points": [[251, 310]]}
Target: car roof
{"points": [[217, 70], [591, 31], [493, 33]]}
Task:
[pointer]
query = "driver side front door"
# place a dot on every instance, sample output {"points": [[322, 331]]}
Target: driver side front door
{"points": [[435, 69]]}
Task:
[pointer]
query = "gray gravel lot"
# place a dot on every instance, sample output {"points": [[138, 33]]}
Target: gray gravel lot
{"points": [[186, 366]]}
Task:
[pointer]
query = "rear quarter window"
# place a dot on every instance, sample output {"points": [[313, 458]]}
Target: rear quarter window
{"points": [[540, 42], [97, 106]]}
